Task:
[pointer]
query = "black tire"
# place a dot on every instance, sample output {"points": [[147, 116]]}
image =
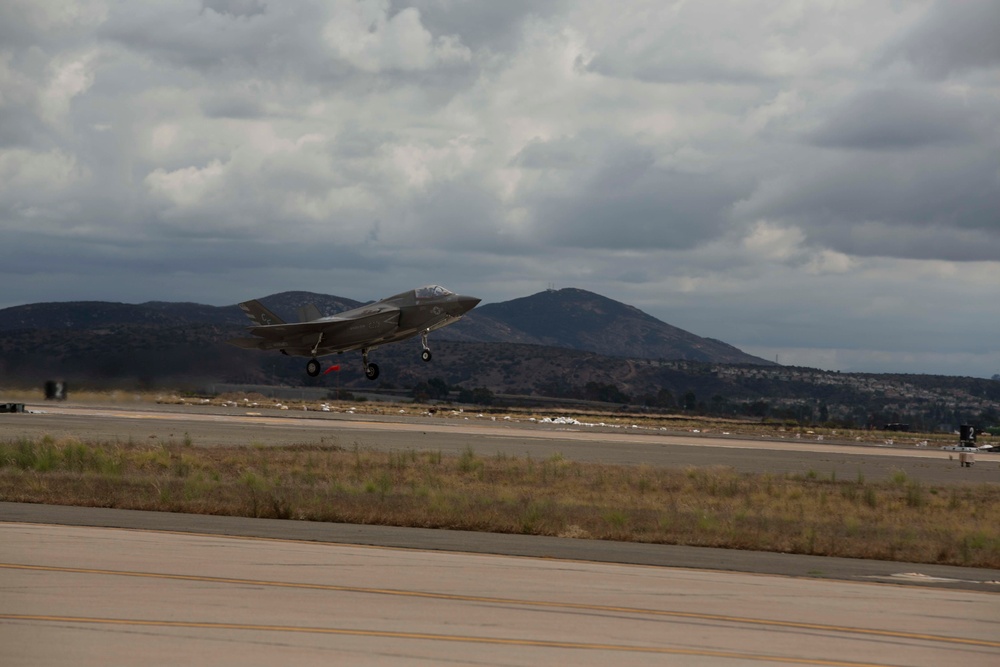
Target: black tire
{"points": [[313, 368], [371, 372], [426, 355]]}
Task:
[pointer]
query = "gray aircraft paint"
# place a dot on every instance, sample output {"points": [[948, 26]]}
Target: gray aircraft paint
{"points": [[415, 312]]}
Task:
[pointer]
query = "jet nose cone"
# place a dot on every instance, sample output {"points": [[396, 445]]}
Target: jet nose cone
{"points": [[467, 303]]}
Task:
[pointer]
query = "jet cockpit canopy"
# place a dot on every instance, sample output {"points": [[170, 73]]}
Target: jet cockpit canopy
{"points": [[431, 292]]}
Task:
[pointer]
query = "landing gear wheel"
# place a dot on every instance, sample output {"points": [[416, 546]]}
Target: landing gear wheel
{"points": [[371, 371], [426, 354], [313, 367]]}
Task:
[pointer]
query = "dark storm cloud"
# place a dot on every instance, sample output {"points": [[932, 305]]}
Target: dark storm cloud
{"points": [[245, 103], [557, 154], [463, 216], [165, 256], [609, 192], [494, 26], [930, 242], [905, 172], [659, 65], [20, 128], [29, 27], [952, 37], [357, 142], [691, 43], [898, 120], [283, 42], [838, 200], [183, 36], [240, 8]]}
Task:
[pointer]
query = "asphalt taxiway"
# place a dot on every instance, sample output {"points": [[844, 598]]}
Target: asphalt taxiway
{"points": [[208, 426]]}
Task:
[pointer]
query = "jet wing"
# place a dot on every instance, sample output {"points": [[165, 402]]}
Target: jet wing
{"points": [[284, 331], [247, 343], [359, 326]]}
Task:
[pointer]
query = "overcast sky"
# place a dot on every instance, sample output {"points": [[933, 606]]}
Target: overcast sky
{"points": [[812, 180]]}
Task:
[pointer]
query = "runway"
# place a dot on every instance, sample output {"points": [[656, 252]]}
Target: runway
{"points": [[93, 586], [99, 596], [208, 426]]}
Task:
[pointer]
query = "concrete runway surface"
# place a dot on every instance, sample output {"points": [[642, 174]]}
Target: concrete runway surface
{"points": [[88, 586], [104, 596]]}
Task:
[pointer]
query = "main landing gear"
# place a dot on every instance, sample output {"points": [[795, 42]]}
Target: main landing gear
{"points": [[371, 370], [313, 367]]}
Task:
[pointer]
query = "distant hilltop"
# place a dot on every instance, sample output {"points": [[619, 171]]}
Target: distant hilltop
{"points": [[580, 320]]}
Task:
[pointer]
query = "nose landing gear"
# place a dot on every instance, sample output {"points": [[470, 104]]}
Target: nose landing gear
{"points": [[426, 353]]}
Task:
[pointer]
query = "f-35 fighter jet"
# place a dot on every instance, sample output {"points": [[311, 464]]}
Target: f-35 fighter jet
{"points": [[416, 312]]}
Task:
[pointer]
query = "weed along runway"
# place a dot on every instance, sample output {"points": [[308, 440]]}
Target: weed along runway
{"points": [[96, 596]]}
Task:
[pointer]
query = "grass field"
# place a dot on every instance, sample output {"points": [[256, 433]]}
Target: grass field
{"points": [[899, 519]]}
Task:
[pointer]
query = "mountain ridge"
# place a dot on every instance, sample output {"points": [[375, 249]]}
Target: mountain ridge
{"points": [[576, 319], [569, 318], [163, 345]]}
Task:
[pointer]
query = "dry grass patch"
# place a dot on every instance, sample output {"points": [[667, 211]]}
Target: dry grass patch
{"points": [[900, 519]]}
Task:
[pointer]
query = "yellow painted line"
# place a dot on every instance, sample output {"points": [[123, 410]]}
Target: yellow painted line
{"points": [[547, 558], [541, 643], [719, 618]]}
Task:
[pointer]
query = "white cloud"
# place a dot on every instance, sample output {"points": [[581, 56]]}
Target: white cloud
{"points": [[829, 261], [785, 104], [364, 34], [37, 176], [69, 77], [771, 242], [57, 17], [187, 187]]}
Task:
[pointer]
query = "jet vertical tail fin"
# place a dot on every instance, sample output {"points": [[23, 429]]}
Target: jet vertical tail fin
{"points": [[258, 314], [309, 312]]}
